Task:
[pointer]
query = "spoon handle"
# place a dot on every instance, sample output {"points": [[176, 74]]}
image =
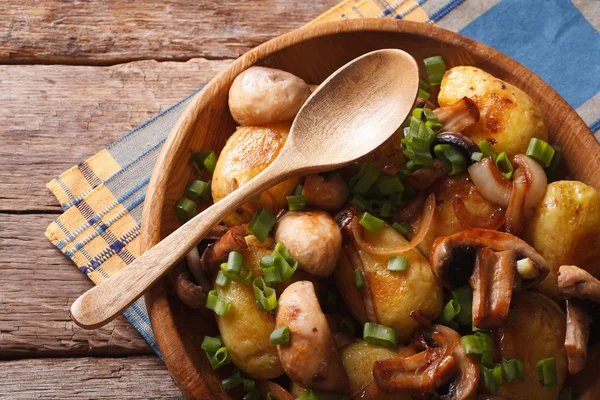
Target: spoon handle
{"points": [[101, 304]]}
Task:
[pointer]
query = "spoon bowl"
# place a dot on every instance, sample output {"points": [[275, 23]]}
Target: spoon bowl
{"points": [[353, 112]]}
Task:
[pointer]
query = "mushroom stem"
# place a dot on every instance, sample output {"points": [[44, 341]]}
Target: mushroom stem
{"points": [[459, 115], [187, 291], [576, 338], [492, 282], [217, 252], [576, 282]]}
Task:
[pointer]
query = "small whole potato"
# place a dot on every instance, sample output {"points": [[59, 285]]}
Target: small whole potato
{"points": [[537, 332], [509, 118], [565, 230], [262, 95], [246, 330], [313, 239], [394, 294], [247, 152]]}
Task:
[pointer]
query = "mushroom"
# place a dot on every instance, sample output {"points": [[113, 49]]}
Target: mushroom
{"points": [[426, 176], [577, 282], [313, 239], [328, 192], [576, 338], [217, 253], [262, 95], [424, 368], [459, 115], [310, 358], [190, 294], [490, 261]]}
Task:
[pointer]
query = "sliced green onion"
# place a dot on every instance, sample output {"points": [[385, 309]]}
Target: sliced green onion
{"points": [[359, 202], [271, 396], [423, 94], [553, 169], [249, 384], [567, 393], [540, 151], [308, 395], [218, 303], [504, 165], [389, 185], [196, 189], [476, 156], [266, 298], [434, 126], [398, 263], [185, 209], [417, 113], [244, 277], [257, 197], [327, 300], [436, 68], [386, 209], [220, 358], [491, 378], [284, 260], [380, 335], [298, 190], [271, 272], [347, 326], [479, 343], [513, 369], [450, 312], [206, 159], [417, 142], [261, 224], [408, 194], [252, 395], [234, 263], [464, 296], [222, 280], [430, 115], [211, 343], [280, 335], [359, 279], [366, 177], [371, 223], [403, 227], [452, 157], [296, 203], [487, 150], [423, 84], [232, 381], [546, 373]]}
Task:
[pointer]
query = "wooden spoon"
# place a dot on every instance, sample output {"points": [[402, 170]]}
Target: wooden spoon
{"points": [[353, 112]]}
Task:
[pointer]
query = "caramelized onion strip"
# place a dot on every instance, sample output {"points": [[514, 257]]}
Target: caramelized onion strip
{"points": [[488, 180], [469, 220]]}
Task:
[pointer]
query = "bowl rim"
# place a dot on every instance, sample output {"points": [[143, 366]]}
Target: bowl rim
{"points": [[150, 229]]}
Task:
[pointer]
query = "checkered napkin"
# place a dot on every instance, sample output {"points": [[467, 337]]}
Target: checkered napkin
{"points": [[103, 197]]}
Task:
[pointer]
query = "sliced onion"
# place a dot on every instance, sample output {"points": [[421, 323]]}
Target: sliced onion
{"points": [[365, 294], [265, 387], [412, 209], [515, 213], [488, 180], [426, 176], [469, 220], [536, 180], [427, 218]]}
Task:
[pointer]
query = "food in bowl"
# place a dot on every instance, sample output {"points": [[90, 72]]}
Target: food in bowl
{"points": [[429, 268]]}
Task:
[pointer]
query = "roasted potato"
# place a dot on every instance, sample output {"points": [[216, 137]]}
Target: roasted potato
{"points": [[247, 152], [394, 294], [246, 330], [566, 230], [508, 116], [537, 332]]}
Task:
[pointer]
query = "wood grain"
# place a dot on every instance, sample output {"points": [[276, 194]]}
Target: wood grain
{"points": [[54, 117], [207, 123], [87, 378], [37, 286], [102, 32]]}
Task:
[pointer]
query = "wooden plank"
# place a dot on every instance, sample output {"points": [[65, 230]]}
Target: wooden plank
{"points": [[37, 286], [53, 117], [103, 32], [87, 378]]}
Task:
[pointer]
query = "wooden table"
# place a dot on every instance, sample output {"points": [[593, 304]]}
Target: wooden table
{"points": [[75, 76]]}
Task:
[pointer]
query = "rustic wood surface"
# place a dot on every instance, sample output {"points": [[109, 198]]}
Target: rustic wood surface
{"points": [[109, 73]]}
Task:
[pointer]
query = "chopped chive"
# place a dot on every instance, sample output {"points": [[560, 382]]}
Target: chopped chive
{"points": [[452, 157], [380, 335], [476, 156], [479, 343], [436, 68], [266, 298], [257, 197], [218, 303], [423, 94], [347, 326], [204, 159], [513, 369], [540, 151], [261, 224], [232, 381], [252, 395], [327, 300], [553, 169], [244, 277], [249, 384], [280, 335], [284, 260], [296, 203], [298, 190], [464, 296], [504, 165], [271, 396], [359, 279], [389, 185], [211, 343], [398, 264], [197, 188], [546, 373], [486, 149], [403, 227], [185, 209], [408, 194], [234, 263], [491, 378], [360, 203], [221, 279], [308, 395], [371, 223], [450, 312], [430, 115], [366, 177], [423, 84], [220, 358], [386, 209]]}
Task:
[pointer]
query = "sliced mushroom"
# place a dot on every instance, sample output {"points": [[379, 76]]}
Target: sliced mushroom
{"points": [[328, 192], [453, 257], [576, 338], [188, 292], [426, 176], [217, 253], [310, 358], [576, 282], [459, 115]]}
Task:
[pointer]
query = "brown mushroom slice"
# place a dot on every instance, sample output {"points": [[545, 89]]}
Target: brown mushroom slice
{"points": [[426, 176], [453, 257], [188, 292], [459, 115], [492, 282], [576, 338], [576, 282], [310, 358], [217, 253]]}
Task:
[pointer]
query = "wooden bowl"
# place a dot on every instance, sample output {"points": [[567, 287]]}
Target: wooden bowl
{"points": [[313, 53]]}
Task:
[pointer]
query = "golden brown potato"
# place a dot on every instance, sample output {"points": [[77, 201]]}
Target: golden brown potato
{"points": [[537, 332], [395, 294], [246, 330], [509, 117], [247, 152], [565, 230], [358, 358]]}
